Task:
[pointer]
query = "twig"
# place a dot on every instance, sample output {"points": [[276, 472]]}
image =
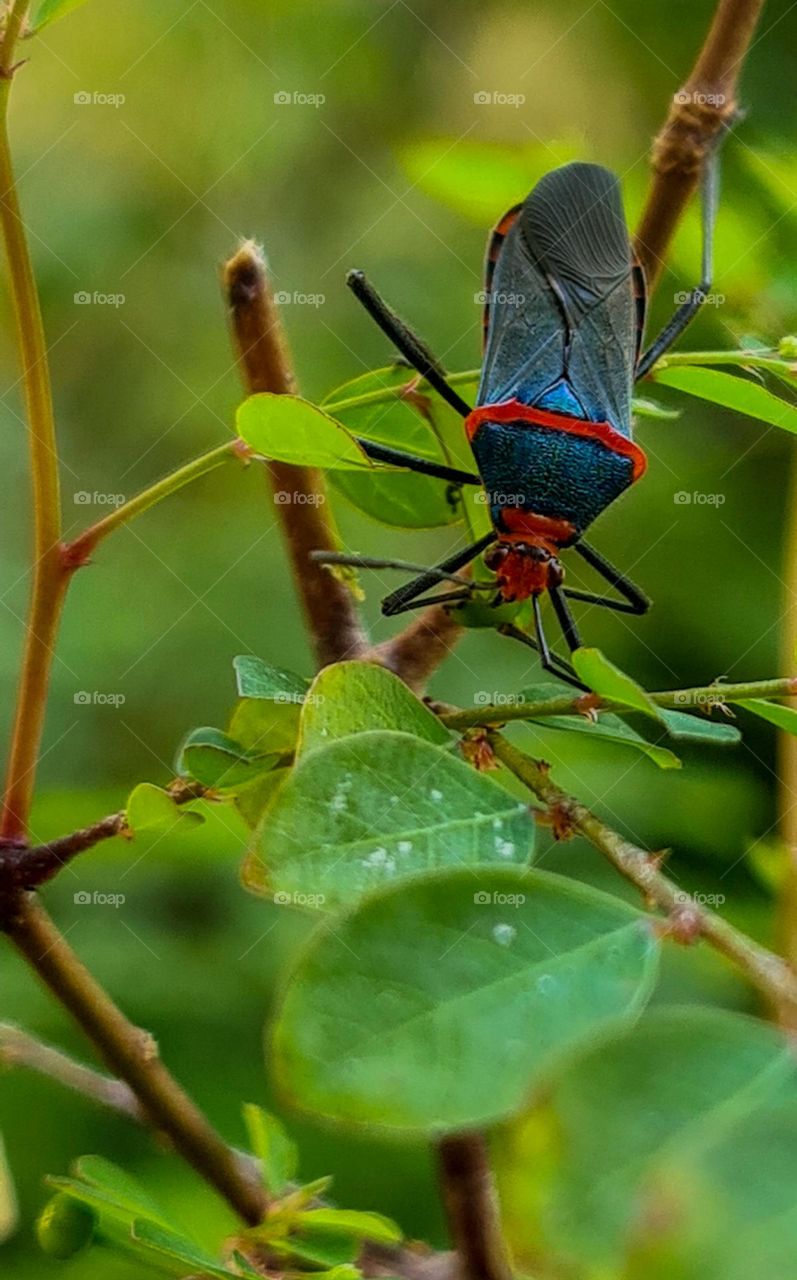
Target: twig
{"points": [[49, 580], [77, 552], [133, 1055], [471, 1206], [698, 113], [687, 918], [265, 365], [707, 696], [417, 651], [19, 1049]]}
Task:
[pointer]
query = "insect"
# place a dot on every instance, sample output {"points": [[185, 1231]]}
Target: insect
{"points": [[551, 432]]}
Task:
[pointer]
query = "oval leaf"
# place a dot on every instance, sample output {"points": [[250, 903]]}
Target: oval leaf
{"points": [[690, 1101], [150, 807], [776, 713], [380, 806], [607, 680], [352, 697], [216, 760], [289, 429], [435, 1005]]}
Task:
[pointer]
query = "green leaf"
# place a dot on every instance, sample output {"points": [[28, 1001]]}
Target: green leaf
{"points": [[380, 806], [256, 679], [265, 727], [321, 1248], [645, 408], [783, 717], [436, 1005], [352, 1222], [108, 1190], [689, 728], [609, 682], [150, 807], [732, 393], [9, 1214], [51, 10], [216, 760], [676, 1138], [373, 407], [481, 180], [611, 728], [289, 429], [168, 1244], [250, 801], [276, 1152], [352, 697]]}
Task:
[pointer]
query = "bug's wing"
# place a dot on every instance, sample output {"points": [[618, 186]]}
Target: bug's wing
{"points": [[563, 304]]}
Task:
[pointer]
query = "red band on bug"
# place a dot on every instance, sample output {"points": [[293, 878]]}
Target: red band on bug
{"points": [[604, 432], [520, 526]]}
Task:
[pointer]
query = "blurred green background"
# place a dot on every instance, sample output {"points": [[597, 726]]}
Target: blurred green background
{"points": [[141, 201]]}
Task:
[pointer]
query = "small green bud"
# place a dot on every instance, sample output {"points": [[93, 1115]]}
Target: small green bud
{"points": [[64, 1227]]}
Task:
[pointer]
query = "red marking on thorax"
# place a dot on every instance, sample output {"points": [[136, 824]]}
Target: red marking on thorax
{"points": [[526, 526], [515, 411]]}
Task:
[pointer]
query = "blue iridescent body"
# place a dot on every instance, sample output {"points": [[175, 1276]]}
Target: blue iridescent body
{"points": [[565, 308]]}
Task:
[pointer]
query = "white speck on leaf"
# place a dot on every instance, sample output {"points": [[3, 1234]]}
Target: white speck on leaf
{"points": [[504, 848], [404, 846], [504, 934], [434, 794]]}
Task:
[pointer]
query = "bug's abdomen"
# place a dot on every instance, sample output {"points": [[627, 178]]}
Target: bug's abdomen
{"points": [[550, 472]]}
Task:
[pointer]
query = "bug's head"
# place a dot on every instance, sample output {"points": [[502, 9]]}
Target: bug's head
{"points": [[524, 569]]}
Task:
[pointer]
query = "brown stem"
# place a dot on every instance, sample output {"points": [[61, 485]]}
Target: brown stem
{"points": [[688, 920], [266, 366], [417, 651], [699, 111], [471, 1206], [133, 1055]]}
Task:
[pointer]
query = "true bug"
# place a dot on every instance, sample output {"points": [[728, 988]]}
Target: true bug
{"points": [[551, 433]]}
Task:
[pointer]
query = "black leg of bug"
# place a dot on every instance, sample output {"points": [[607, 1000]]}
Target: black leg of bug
{"points": [[423, 466], [688, 310], [413, 348], [634, 599], [550, 660], [397, 600]]}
